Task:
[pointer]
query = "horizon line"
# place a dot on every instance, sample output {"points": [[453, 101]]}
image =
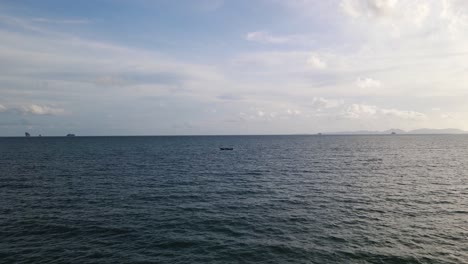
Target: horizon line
{"points": [[234, 135]]}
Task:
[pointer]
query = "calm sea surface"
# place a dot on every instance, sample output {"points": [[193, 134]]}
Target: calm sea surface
{"points": [[273, 199]]}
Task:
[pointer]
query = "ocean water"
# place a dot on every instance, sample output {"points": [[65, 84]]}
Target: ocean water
{"points": [[273, 199]]}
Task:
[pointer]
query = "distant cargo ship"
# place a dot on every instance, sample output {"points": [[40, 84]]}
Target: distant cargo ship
{"points": [[26, 134], [70, 135]]}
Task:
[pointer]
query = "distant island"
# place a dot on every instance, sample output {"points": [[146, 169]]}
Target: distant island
{"points": [[421, 131]]}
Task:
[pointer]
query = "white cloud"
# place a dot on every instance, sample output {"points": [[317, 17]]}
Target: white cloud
{"points": [[407, 18], [82, 64], [413, 115], [454, 17], [320, 103], [269, 59], [410, 49], [268, 38], [316, 62], [367, 83], [396, 18], [450, 115], [360, 111], [421, 12], [363, 111], [369, 8], [293, 112], [35, 109], [265, 37]]}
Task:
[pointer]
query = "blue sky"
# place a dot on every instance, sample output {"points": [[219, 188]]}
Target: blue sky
{"points": [[231, 67]]}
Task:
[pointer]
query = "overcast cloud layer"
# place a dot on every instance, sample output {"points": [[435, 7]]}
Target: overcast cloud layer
{"points": [[231, 67]]}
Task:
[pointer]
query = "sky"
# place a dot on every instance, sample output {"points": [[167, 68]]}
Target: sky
{"points": [[195, 67]]}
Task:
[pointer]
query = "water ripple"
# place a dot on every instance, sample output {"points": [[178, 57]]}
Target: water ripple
{"points": [[273, 199]]}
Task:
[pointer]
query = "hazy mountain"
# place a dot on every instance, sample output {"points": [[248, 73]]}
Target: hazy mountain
{"points": [[420, 131], [396, 131], [437, 131]]}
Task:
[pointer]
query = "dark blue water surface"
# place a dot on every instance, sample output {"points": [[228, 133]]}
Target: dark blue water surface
{"points": [[273, 199]]}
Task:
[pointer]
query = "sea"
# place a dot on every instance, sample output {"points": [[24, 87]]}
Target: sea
{"points": [[272, 199]]}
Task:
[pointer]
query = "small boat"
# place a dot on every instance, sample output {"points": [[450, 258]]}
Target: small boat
{"points": [[26, 134], [226, 148]]}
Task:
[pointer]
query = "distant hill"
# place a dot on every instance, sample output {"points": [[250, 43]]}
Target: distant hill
{"points": [[421, 131], [396, 131], [437, 131]]}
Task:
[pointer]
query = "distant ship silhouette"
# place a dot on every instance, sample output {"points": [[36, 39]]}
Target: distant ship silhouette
{"points": [[26, 134], [70, 135]]}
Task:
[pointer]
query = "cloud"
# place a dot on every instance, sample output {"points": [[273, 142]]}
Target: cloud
{"points": [[268, 38], [363, 111], [406, 18], [413, 115], [320, 103], [69, 63], [130, 78], [263, 59], [398, 53], [368, 83], [3, 108], [110, 81], [316, 62], [452, 116], [229, 97], [35, 109], [265, 37], [293, 112], [369, 8], [268, 112], [360, 111], [399, 19], [60, 21]]}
